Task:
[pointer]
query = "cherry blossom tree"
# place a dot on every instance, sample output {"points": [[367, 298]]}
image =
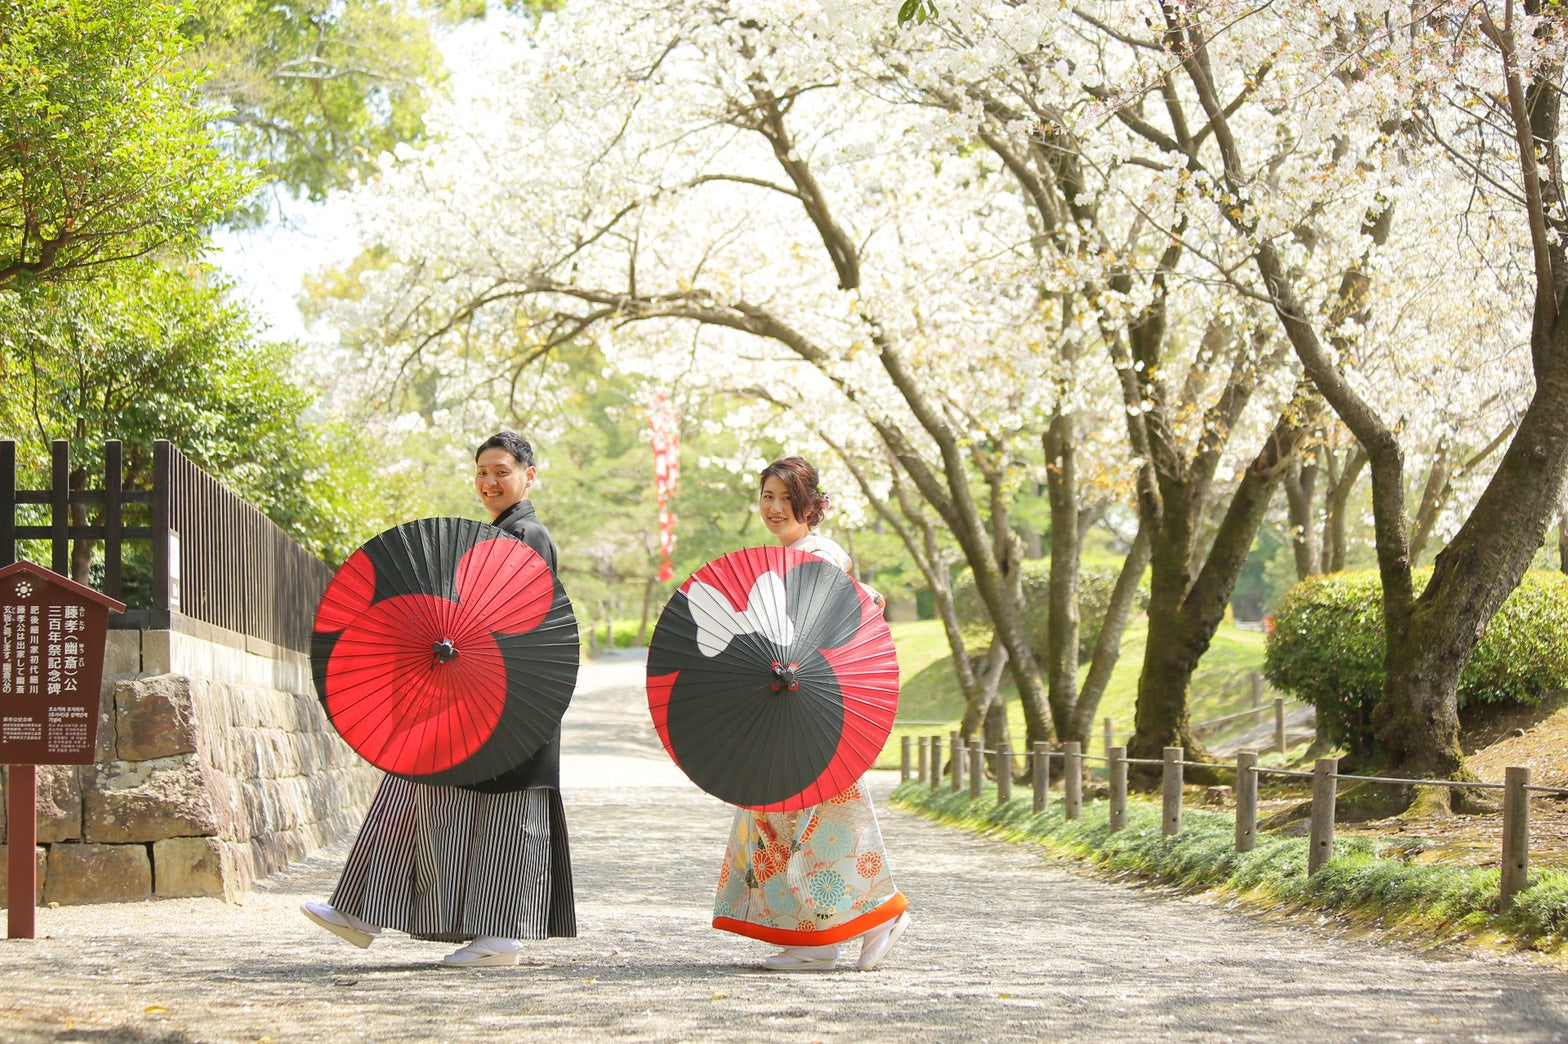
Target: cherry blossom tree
{"points": [[1018, 247], [1389, 87]]}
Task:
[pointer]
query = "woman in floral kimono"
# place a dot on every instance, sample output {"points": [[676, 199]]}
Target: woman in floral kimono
{"points": [[812, 879]]}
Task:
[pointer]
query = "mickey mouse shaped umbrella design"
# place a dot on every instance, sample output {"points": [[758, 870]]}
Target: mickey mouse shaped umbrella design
{"points": [[772, 679], [445, 651]]}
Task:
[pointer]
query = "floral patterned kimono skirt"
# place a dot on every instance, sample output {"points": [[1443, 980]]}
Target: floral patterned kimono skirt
{"points": [[808, 878]]}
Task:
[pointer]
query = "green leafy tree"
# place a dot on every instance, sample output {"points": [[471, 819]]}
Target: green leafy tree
{"points": [[160, 352], [315, 91], [107, 152]]}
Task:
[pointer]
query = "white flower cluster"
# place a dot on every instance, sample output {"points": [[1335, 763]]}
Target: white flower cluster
{"points": [[797, 199]]}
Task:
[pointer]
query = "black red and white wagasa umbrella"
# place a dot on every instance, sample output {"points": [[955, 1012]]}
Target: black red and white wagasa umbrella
{"points": [[445, 651], [772, 679]]}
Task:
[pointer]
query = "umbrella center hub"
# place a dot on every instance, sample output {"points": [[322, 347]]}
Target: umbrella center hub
{"points": [[445, 651], [784, 677]]}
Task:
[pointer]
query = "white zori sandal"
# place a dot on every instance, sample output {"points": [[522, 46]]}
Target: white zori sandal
{"points": [[487, 951], [343, 925], [878, 943], [802, 958]]}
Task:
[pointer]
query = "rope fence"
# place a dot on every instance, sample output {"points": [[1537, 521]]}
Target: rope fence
{"points": [[921, 758]]}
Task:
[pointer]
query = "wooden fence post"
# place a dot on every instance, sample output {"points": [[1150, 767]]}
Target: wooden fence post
{"points": [[1516, 836], [1279, 724], [956, 742], [60, 507], [1324, 786], [1170, 798], [976, 768], [925, 755], [936, 762], [1118, 773], [162, 469], [7, 502], [903, 759], [113, 522], [1257, 697], [1004, 773], [1040, 773], [1246, 800], [1110, 737], [1072, 779]]}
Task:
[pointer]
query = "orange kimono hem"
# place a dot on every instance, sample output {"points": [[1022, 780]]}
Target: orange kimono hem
{"points": [[884, 913]]}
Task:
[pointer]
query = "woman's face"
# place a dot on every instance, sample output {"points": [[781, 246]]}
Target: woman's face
{"points": [[500, 480], [778, 514]]}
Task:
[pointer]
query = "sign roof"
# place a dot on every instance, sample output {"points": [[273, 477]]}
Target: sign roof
{"points": [[65, 583]]}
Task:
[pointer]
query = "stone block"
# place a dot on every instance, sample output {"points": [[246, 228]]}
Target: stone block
{"points": [[155, 718], [157, 652], [122, 654], [59, 795], [60, 803], [272, 852], [40, 866], [184, 867], [108, 730], [88, 873], [152, 800]]}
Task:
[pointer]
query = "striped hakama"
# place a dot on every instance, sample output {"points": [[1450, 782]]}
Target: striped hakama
{"points": [[449, 864]]}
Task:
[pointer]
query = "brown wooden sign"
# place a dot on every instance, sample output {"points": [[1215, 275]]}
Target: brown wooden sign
{"points": [[52, 633]]}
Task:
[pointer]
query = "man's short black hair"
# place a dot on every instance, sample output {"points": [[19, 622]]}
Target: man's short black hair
{"points": [[513, 443]]}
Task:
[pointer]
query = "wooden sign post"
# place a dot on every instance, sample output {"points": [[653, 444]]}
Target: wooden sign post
{"points": [[52, 634]]}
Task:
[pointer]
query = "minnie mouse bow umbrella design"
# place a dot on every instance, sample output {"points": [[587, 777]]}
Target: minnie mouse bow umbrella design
{"points": [[772, 679], [445, 651]]}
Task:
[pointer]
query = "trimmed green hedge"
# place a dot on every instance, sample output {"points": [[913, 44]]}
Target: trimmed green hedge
{"points": [[1095, 585], [1326, 648]]}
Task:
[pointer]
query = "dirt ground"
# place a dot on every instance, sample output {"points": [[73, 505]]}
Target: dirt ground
{"points": [[1007, 944], [1532, 737]]}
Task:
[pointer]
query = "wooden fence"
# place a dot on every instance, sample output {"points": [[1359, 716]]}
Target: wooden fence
{"points": [[214, 557], [968, 759]]}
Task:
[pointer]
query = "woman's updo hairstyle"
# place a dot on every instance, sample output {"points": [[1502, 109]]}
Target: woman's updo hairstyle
{"points": [[807, 502]]}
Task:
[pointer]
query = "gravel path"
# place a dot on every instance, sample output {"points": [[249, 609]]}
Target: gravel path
{"points": [[1006, 945]]}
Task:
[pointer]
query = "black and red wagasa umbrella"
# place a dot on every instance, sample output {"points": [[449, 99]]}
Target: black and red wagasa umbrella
{"points": [[772, 679], [445, 651]]}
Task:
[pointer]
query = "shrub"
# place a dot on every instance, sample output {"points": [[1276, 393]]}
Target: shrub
{"points": [[1326, 648], [1095, 584]]}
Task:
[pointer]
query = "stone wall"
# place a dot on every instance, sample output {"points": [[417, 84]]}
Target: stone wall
{"points": [[215, 766]]}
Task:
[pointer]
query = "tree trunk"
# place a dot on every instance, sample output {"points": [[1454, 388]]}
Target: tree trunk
{"points": [[647, 611], [1433, 493], [925, 549], [1108, 646], [1183, 615], [985, 696], [1062, 623], [1337, 506], [1474, 574], [82, 547], [1562, 541], [995, 735], [1300, 483]]}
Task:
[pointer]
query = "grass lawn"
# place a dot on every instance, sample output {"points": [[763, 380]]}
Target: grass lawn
{"points": [[930, 702]]}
